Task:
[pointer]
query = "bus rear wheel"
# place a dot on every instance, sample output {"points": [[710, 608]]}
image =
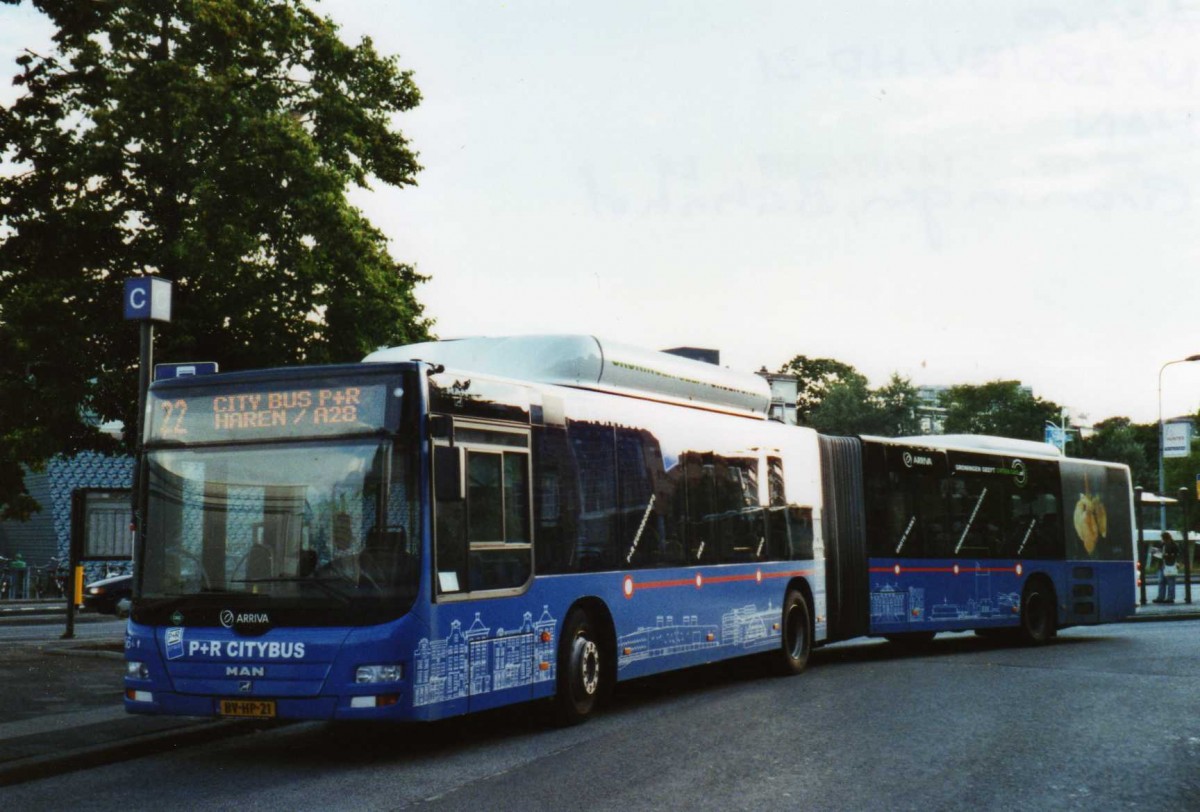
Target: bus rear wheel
{"points": [[1037, 613], [581, 671], [796, 644]]}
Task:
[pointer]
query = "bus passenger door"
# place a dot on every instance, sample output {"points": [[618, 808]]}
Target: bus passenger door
{"points": [[483, 557]]}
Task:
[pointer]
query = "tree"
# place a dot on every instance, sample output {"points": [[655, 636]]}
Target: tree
{"points": [[1000, 408], [211, 142], [850, 407], [1117, 439], [845, 409], [816, 377], [897, 402]]}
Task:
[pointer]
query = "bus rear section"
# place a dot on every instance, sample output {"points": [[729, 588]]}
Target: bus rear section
{"points": [[965, 533]]}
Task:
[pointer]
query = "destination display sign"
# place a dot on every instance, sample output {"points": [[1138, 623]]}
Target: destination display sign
{"points": [[286, 412]]}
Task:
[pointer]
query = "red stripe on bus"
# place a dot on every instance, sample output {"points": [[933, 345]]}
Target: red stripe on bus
{"points": [[720, 579], [658, 584], [717, 579], [961, 570]]}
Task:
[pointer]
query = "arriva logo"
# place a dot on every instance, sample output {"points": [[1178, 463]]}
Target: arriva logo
{"points": [[229, 619]]}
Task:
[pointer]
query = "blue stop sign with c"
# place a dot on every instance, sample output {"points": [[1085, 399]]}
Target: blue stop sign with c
{"points": [[147, 297]]}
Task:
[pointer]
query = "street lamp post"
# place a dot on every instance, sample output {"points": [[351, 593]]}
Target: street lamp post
{"points": [[1162, 515]]}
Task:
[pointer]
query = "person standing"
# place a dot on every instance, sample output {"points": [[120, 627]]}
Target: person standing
{"points": [[1168, 569]]}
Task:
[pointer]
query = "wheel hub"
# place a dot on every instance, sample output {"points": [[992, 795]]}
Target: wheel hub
{"points": [[589, 670]]}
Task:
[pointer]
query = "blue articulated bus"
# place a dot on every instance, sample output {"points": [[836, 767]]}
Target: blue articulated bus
{"points": [[454, 526]]}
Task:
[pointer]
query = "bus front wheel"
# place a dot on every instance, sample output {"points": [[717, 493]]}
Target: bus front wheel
{"points": [[797, 634], [580, 669]]}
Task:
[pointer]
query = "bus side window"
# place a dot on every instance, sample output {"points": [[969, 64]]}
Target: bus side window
{"points": [[934, 517], [700, 476], [485, 503], [649, 527], [555, 501], [892, 526], [800, 531], [977, 506], [775, 521], [451, 530], [483, 533], [1050, 542], [595, 455], [743, 526], [498, 519]]}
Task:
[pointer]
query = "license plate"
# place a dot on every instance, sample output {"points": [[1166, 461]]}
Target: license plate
{"points": [[248, 708]]}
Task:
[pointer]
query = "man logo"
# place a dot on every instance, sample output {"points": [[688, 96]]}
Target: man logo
{"points": [[245, 686], [227, 618]]}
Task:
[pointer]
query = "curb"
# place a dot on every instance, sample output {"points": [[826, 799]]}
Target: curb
{"points": [[1194, 615], [81, 651], [201, 732]]}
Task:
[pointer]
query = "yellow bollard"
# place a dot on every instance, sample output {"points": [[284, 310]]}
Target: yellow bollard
{"points": [[78, 591]]}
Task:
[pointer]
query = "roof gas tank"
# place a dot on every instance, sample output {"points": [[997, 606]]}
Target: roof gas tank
{"points": [[587, 362]]}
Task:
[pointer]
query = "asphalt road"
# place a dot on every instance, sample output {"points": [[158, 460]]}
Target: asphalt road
{"points": [[1105, 718]]}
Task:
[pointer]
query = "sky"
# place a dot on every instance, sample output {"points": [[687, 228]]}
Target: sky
{"points": [[955, 192]]}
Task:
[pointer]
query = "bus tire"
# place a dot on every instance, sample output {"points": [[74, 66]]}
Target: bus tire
{"points": [[1037, 613], [581, 669], [796, 642], [911, 640]]}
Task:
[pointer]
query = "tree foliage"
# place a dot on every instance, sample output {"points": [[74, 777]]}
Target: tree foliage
{"points": [[1000, 408], [835, 398], [851, 407], [816, 377], [1118, 439], [211, 142]]}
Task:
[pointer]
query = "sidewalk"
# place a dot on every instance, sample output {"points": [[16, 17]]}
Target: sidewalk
{"points": [[62, 711], [1168, 611], [61, 708]]}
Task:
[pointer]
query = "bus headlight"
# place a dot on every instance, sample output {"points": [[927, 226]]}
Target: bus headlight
{"points": [[373, 674], [136, 670]]}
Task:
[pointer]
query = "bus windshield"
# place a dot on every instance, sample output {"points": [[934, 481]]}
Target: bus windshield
{"points": [[325, 527]]}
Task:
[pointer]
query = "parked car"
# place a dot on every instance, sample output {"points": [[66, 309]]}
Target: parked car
{"points": [[110, 596]]}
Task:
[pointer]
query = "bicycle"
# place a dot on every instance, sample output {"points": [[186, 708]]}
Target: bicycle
{"points": [[52, 579]]}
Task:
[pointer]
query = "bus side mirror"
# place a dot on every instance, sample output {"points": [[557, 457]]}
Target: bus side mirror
{"points": [[447, 474]]}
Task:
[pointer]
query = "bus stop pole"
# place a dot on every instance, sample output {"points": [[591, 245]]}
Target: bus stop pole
{"points": [[147, 299], [74, 565], [145, 365], [1139, 565], [1187, 545]]}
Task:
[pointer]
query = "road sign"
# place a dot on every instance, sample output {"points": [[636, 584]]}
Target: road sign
{"points": [[1177, 439], [1056, 437], [164, 372], [147, 298]]}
